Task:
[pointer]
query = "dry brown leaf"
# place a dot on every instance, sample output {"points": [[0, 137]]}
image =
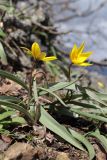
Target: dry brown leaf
{"points": [[6, 139], [49, 137], [10, 87]]}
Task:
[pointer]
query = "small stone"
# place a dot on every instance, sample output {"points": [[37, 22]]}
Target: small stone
{"points": [[18, 149], [22, 5], [62, 156]]}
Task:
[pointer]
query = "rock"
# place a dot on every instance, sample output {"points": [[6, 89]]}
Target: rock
{"points": [[22, 5], [62, 156], [22, 150]]}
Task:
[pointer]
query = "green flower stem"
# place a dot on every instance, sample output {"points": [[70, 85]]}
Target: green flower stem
{"points": [[69, 78], [31, 81]]}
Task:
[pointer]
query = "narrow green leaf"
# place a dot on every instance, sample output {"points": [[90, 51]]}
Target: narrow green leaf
{"points": [[98, 111], [1, 127], [13, 100], [100, 137], [94, 96], [6, 114], [10, 98], [35, 109], [13, 78], [19, 120], [89, 115], [89, 106], [55, 95], [85, 105], [6, 122], [59, 86], [102, 96], [3, 57], [47, 120], [83, 140], [2, 34], [19, 108]]}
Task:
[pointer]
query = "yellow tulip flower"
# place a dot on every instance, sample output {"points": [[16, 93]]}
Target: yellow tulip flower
{"points": [[78, 57], [36, 53]]}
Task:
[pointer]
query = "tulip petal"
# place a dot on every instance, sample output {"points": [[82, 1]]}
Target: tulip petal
{"points": [[73, 53], [81, 48], [51, 58], [85, 64], [83, 57], [86, 54], [35, 50], [42, 56]]}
